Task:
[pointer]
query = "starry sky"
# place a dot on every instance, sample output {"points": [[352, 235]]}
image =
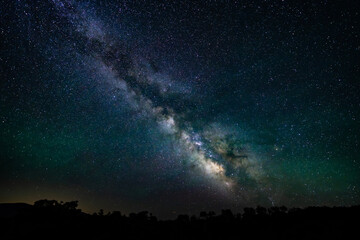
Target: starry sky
{"points": [[180, 106]]}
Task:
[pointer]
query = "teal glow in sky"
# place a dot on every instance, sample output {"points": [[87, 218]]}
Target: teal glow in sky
{"points": [[180, 107]]}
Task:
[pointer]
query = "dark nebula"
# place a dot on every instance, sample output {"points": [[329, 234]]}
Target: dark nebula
{"points": [[180, 106]]}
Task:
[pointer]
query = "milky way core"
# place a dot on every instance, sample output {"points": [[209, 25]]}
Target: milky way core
{"points": [[178, 107]]}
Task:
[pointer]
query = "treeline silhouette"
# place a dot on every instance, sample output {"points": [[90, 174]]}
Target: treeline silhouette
{"points": [[50, 219]]}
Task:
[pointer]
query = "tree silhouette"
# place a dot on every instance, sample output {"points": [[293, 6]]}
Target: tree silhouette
{"points": [[55, 219]]}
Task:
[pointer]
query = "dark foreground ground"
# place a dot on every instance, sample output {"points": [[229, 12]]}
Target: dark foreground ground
{"points": [[52, 220]]}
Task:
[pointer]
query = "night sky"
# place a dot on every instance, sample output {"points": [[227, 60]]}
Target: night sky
{"points": [[180, 106]]}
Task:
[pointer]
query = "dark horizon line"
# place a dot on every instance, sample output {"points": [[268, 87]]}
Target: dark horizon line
{"points": [[213, 213]]}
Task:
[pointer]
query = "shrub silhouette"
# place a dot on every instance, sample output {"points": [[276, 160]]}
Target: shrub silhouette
{"points": [[59, 220]]}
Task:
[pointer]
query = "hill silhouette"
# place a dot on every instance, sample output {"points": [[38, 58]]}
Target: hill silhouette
{"points": [[50, 219]]}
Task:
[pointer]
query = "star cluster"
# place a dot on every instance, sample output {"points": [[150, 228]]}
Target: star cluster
{"points": [[180, 106]]}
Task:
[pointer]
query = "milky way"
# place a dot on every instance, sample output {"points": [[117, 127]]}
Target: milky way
{"points": [[180, 107]]}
